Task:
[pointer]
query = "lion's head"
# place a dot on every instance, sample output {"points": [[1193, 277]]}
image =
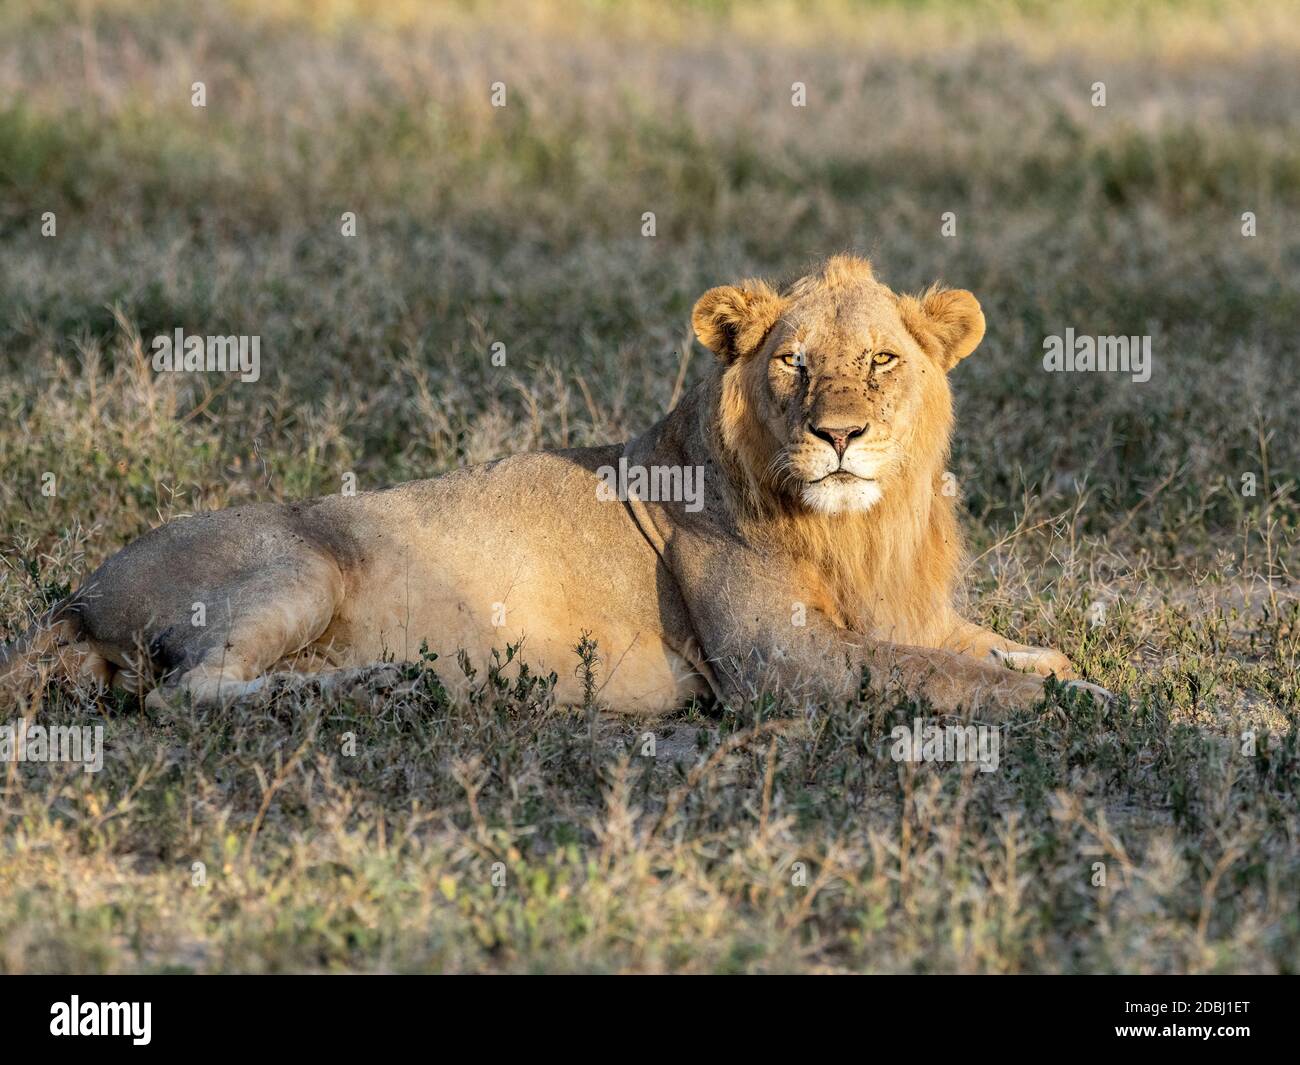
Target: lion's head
{"points": [[834, 392]]}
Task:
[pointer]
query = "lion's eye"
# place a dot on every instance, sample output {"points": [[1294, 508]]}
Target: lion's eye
{"points": [[795, 360], [883, 358]]}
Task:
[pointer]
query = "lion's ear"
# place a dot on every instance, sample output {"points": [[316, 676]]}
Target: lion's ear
{"points": [[732, 320], [947, 323]]}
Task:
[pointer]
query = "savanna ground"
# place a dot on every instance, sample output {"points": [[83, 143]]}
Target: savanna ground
{"points": [[1107, 518]]}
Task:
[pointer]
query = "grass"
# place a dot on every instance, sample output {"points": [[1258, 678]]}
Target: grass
{"points": [[389, 828]]}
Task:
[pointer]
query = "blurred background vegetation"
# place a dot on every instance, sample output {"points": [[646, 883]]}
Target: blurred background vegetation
{"points": [[522, 224]]}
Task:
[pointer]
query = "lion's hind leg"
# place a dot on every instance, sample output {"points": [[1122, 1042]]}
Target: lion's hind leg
{"points": [[265, 620], [331, 682]]}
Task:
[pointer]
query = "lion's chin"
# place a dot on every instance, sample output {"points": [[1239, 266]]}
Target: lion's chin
{"points": [[841, 495]]}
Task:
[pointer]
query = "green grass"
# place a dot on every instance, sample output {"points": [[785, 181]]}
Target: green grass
{"points": [[522, 225]]}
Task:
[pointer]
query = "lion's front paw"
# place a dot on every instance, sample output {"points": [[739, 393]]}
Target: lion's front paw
{"points": [[1041, 660], [1100, 694]]}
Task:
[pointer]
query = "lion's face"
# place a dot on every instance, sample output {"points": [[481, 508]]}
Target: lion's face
{"points": [[835, 389], [842, 384]]}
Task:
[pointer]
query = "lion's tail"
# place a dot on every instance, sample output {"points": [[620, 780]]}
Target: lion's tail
{"points": [[57, 627]]}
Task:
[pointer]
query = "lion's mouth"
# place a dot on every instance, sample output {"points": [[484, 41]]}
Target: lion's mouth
{"points": [[841, 475]]}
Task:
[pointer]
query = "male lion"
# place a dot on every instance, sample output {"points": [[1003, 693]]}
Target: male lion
{"points": [[820, 548]]}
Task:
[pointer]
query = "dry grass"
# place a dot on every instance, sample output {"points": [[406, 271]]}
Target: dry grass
{"points": [[522, 225]]}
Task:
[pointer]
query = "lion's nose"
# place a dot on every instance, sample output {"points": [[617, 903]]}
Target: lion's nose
{"points": [[838, 438]]}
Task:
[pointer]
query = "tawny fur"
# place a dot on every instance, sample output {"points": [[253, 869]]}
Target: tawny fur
{"points": [[823, 548]]}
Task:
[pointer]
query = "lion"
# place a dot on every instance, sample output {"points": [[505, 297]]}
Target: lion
{"points": [[783, 528]]}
